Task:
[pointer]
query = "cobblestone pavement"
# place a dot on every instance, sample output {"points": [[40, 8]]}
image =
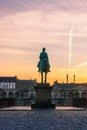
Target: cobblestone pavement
{"points": [[43, 120]]}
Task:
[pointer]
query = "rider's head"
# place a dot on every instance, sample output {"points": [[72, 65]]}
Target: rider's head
{"points": [[44, 49]]}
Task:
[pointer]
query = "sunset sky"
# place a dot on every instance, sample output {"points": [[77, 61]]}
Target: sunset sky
{"points": [[26, 26]]}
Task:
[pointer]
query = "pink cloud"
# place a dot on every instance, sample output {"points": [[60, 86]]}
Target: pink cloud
{"points": [[14, 6]]}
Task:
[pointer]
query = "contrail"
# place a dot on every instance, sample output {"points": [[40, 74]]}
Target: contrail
{"points": [[70, 46], [80, 65]]}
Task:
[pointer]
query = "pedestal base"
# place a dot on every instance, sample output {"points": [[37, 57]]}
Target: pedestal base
{"points": [[43, 97], [42, 106]]}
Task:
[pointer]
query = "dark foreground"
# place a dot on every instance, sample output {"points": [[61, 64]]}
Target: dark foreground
{"points": [[43, 120]]}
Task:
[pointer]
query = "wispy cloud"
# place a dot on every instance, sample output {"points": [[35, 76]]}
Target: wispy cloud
{"points": [[13, 6], [80, 65], [70, 46]]}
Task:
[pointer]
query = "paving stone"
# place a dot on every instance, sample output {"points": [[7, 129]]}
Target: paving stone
{"points": [[43, 120]]}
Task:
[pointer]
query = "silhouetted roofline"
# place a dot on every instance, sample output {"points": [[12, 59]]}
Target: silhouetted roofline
{"points": [[8, 79]]}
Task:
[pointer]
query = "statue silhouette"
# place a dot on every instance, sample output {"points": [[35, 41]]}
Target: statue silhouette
{"points": [[43, 65]]}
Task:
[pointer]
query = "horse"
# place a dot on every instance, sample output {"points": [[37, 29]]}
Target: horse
{"points": [[44, 69]]}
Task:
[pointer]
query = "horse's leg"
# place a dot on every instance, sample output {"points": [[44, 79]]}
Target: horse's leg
{"points": [[45, 77], [41, 77]]}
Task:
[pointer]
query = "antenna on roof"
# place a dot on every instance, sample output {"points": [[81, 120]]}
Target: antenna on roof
{"points": [[67, 78], [74, 78]]}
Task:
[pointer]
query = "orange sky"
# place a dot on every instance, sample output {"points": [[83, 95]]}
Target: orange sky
{"points": [[26, 27]]}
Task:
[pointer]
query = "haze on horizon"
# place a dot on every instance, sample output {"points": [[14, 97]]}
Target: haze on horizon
{"points": [[26, 26]]}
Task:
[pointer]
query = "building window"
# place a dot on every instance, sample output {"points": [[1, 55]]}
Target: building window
{"points": [[83, 95], [63, 94], [17, 94], [76, 95], [3, 95], [32, 96], [10, 95], [70, 95]]}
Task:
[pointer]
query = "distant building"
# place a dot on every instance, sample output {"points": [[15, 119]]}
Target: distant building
{"points": [[69, 93], [26, 88], [8, 82], [22, 91], [8, 86], [12, 87], [69, 90]]}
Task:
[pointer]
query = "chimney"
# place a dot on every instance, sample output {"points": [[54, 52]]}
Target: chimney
{"points": [[67, 77], [74, 78]]}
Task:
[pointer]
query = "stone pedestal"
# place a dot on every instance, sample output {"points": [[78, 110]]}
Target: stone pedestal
{"points": [[43, 96]]}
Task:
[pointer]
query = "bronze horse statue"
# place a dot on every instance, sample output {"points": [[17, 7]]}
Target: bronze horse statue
{"points": [[44, 70], [44, 66]]}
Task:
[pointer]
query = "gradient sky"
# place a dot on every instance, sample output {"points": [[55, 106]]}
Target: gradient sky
{"points": [[26, 26]]}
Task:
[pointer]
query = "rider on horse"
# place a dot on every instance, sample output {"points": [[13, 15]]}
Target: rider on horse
{"points": [[43, 58]]}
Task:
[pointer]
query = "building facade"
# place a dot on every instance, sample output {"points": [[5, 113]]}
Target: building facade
{"points": [[69, 93], [12, 87], [26, 88], [7, 86], [22, 91]]}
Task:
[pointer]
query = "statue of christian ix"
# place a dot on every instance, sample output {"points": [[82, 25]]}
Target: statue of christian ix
{"points": [[43, 65], [43, 89]]}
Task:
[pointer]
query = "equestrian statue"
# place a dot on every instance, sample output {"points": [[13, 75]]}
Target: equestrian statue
{"points": [[43, 65]]}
